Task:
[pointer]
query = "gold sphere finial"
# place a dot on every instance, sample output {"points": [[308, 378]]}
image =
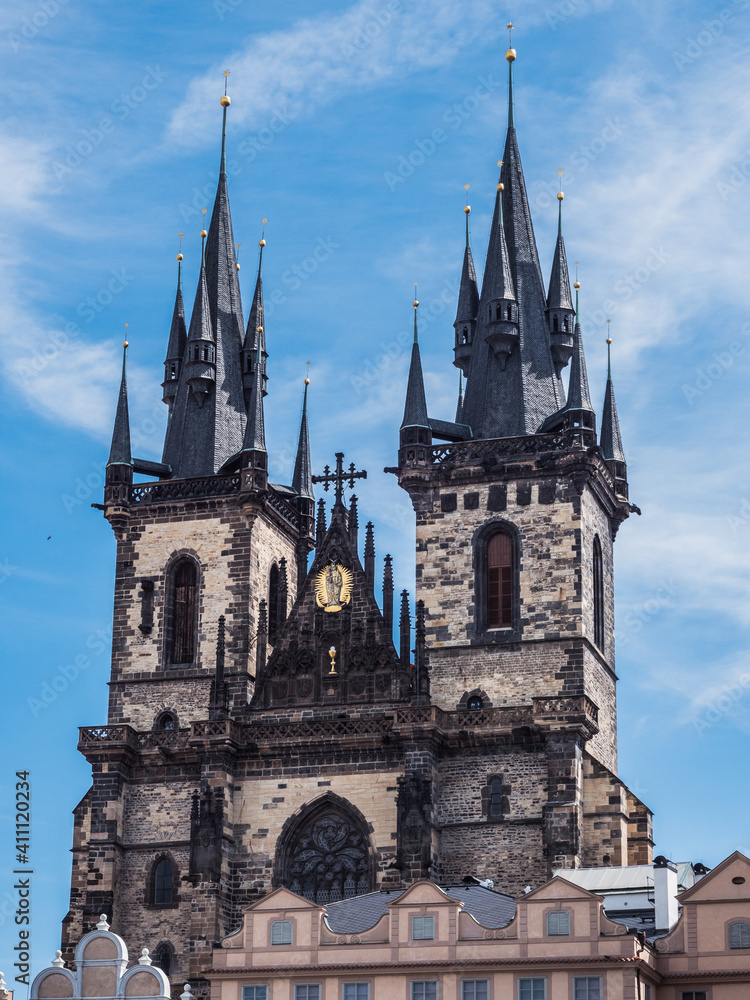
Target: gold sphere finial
{"points": [[179, 256], [501, 186], [125, 343], [510, 55], [307, 381], [576, 285], [609, 340], [261, 243], [204, 234], [225, 100], [415, 303], [467, 209], [259, 329], [560, 196]]}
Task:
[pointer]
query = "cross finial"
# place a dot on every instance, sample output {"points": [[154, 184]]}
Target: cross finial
{"points": [[339, 478]]}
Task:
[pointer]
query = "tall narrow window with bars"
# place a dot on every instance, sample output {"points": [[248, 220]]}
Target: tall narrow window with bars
{"points": [[185, 585], [273, 603], [598, 581], [500, 581]]}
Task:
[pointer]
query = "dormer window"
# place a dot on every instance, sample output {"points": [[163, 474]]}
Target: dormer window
{"points": [[281, 932], [558, 923], [423, 928]]}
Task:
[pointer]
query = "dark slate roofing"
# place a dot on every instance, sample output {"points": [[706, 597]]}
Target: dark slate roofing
{"points": [[119, 452], [558, 296], [202, 437], [256, 319], [415, 408], [178, 330], [352, 916], [200, 318], [498, 281], [302, 478], [468, 293], [517, 399], [255, 429], [579, 397], [610, 440]]}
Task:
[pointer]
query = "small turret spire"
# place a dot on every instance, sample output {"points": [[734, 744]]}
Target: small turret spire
{"points": [[370, 555], [559, 306], [200, 364], [255, 431], [415, 409], [256, 331], [388, 594], [177, 341], [579, 397], [302, 478], [468, 303], [460, 404], [119, 452], [611, 440]]}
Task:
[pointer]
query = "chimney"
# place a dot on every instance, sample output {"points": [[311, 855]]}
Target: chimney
{"points": [[666, 909]]}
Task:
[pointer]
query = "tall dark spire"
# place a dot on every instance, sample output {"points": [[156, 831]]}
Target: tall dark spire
{"points": [[610, 438], [256, 332], [579, 397], [468, 306], [388, 594], [208, 422], [460, 403], [254, 458], [302, 478], [559, 305], [415, 409], [370, 555], [176, 345], [119, 452], [200, 355], [512, 385]]}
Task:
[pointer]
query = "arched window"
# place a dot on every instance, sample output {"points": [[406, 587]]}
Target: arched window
{"points": [[273, 603], [474, 704], [185, 579], [324, 854], [558, 923], [165, 721], [500, 581], [495, 805], [598, 582], [739, 934], [496, 799], [510, 312], [162, 956], [163, 883], [555, 323]]}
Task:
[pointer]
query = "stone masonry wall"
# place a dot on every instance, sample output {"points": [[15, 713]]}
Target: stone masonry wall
{"points": [[235, 560]]}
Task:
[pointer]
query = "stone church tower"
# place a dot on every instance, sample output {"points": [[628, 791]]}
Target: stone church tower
{"points": [[264, 728]]}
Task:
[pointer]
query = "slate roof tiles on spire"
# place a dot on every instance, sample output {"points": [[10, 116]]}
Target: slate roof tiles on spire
{"points": [[558, 295], [610, 439], [302, 478], [119, 452], [415, 408]]}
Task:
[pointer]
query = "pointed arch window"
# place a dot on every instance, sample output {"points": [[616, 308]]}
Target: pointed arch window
{"points": [[163, 883], [598, 586], [325, 856], [500, 581], [162, 957], [185, 585]]}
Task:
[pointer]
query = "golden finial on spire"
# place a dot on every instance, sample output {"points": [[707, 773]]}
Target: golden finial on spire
{"points": [[307, 377], [179, 252], [125, 342], [467, 208], [576, 283], [415, 303], [204, 234], [500, 185], [609, 339], [262, 240], [510, 55], [238, 253], [225, 101], [560, 195]]}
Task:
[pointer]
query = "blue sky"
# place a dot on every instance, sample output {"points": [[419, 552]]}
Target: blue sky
{"points": [[109, 147]]}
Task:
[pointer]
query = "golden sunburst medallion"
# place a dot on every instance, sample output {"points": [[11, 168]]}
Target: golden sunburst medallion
{"points": [[333, 587]]}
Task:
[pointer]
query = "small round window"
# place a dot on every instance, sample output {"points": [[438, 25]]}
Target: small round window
{"points": [[474, 704]]}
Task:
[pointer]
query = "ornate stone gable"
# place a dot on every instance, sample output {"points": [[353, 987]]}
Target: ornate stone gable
{"points": [[335, 647]]}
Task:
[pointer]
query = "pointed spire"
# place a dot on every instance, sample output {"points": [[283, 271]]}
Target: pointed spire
{"points": [[353, 521], [283, 598], [611, 440], [510, 55], [218, 695], [256, 331], [578, 388], [119, 452], [200, 364], [176, 344], [559, 305], [255, 430], [415, 409], [370, 556], [261, 639], [468, 305], [388, 594], [320, 527], [302, 478], [405, 632]]}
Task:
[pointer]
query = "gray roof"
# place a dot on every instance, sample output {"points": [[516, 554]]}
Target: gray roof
{"points": [[579, 397], [468, 293], [257, 319], [558, 295], [255, 429], [628, 878], [352, 916]]}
